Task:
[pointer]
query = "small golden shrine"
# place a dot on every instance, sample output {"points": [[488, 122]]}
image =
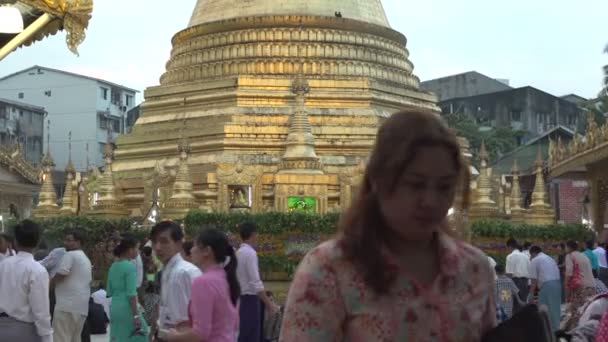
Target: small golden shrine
{"points": [[281, 103]]}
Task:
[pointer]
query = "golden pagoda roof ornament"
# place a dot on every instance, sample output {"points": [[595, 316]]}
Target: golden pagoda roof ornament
{"points": [[43, 18], [515, 198]]}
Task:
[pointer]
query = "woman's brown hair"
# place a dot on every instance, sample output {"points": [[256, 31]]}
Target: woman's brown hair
{"points": [[363, 233]]}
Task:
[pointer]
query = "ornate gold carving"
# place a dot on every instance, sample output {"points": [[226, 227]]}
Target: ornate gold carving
{"points": [[13, 158], [74, 16]]}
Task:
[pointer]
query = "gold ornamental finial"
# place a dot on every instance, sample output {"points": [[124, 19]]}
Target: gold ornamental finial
{"points": [[483, 153]]}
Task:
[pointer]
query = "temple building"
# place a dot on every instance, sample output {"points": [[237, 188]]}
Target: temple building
{"points": [[266, 106]]}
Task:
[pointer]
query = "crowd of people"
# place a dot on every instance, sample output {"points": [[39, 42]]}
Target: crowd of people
{"points": [[395, 271], [169, 290]]}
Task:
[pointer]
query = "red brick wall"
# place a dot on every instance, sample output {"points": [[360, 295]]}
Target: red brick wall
{"points": [[571, 194]]}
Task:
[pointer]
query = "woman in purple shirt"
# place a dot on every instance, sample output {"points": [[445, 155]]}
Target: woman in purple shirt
{"points": [[213, 306]]}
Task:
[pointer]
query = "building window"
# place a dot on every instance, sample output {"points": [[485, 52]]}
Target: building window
{"points": [[47, 93], [20, 113], [21, 95], [128, 100], [30, 117], [104, 93]]}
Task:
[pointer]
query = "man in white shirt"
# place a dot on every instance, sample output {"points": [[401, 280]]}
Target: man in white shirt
{"points": [[545, 276], [72, 290], [176, 278], [24, 291], [600, 252], [518, 268], [252, 289]]}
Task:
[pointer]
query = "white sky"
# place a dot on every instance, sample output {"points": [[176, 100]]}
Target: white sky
{"points": [[554, 45]]}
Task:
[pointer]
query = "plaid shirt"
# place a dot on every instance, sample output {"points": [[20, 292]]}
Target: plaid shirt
{"points": [[506, 290]]}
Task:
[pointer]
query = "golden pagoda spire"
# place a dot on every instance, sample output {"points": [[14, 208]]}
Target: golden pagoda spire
{"points": [[540, 210], [108, 205], [515, 198], [539, 194], [300, 155], [182, 199], [47, 202], [67, 205], [483, 207]]}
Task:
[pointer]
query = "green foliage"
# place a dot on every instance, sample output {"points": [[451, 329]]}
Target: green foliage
{"points": [[498, 140], [268, 223], [505, 229]]}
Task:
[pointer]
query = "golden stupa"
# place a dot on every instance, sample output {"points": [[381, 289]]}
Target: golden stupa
{"points": [[281, 100]]}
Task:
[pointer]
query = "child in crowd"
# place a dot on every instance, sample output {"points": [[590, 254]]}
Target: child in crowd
{"points": [[506, 293]]}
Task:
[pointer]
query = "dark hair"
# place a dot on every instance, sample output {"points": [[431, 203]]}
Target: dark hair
{"points": [[147, 251], [535, 249], [562, 245], [589, 244], [527, 245], [218, 242], [175, 230], [247, 229], [127, 242], [572, 245], [362, 229], [76, 234], [187, 247], [27, 234], [512, 243], [500, 269]]}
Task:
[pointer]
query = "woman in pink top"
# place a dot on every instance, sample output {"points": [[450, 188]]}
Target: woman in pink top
{"points": [[395, 272], [213, 306]]}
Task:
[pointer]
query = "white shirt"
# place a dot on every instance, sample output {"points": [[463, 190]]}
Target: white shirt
{"points": [[72, 293], [601, 257], [518, 265], [175, 291], [52, 261], [139, 267], [9, 252], [247, 270], [543, 268], [101, 297], [24, 293]]}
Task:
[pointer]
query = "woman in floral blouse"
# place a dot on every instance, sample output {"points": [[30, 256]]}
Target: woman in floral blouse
{"points": [[395, 272]]}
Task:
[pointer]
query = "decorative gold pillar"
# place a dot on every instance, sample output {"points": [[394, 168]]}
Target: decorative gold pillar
{"points": [[182, 199], [483, 207], [47, 202], [597, 192], [540, 211], [517, 212], [67, 205]]}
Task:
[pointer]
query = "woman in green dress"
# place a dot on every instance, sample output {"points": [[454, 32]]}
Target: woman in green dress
{"points": [[126, 320]]}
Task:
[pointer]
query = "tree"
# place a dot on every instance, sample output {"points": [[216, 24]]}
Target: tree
{"points": [[499, 141], [605, 90]]}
